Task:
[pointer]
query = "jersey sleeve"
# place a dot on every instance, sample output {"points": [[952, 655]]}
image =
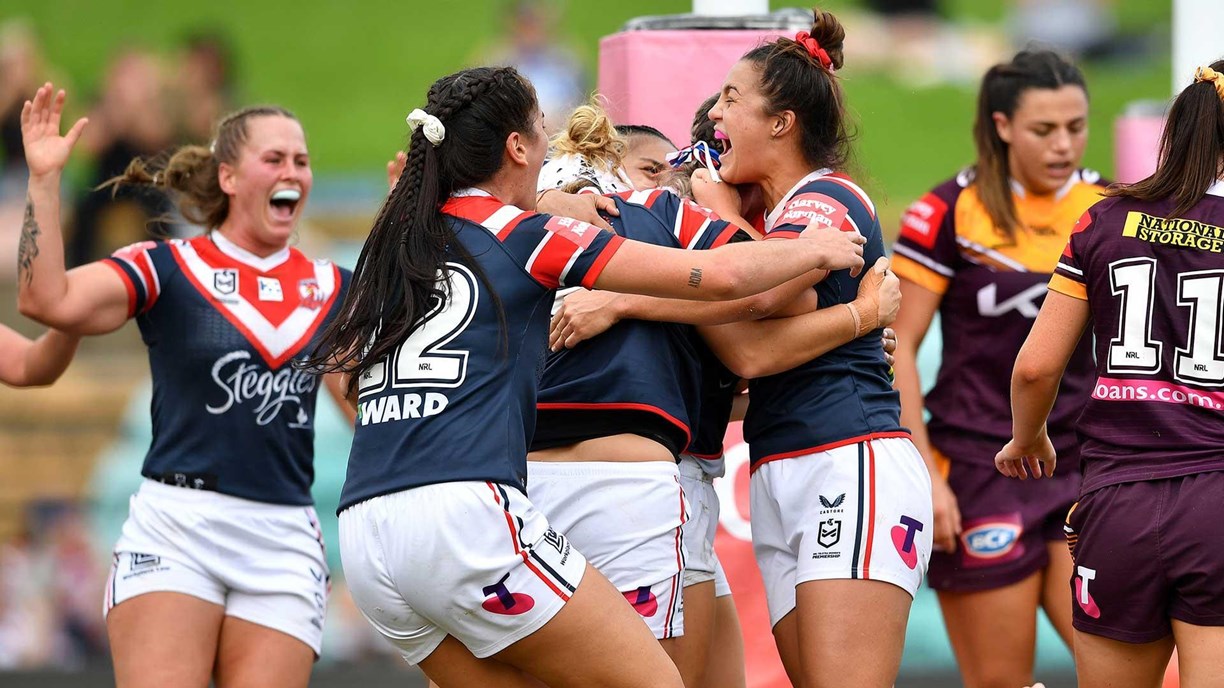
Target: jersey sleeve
{"points": [[926, 252], [138, 271], [1068, 277], [695, 227], [561, 251]]}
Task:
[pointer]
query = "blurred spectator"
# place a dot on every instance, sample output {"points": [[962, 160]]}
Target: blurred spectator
{"points": [[49, 614], [535, 49], [204, 89], [1076, 27], [130, 119]]}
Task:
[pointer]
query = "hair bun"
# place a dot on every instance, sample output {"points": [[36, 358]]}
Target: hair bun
{"points": [[830, 34]]}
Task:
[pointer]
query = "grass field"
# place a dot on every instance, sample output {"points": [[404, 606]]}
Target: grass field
{"points": [[351, 71]]}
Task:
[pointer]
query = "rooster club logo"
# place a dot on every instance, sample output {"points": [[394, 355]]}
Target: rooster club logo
{"points": [[643, 601], [310, 293], [504, 602]]}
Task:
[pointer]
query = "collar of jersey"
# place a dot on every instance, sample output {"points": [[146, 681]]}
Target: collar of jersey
{"points": [[245, 257], [1021, 192], [812, 176], [471, 191], [1217, 189]]}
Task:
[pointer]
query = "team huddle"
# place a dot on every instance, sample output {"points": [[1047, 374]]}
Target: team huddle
{"points": [[542, 344]]}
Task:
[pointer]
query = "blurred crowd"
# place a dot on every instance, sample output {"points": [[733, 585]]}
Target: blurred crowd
{"points": [[148, 102], [145, 104]]}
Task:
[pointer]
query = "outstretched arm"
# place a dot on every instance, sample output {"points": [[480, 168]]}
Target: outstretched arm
{"points": [[25, 363], [1039, 368], [90, 299]]}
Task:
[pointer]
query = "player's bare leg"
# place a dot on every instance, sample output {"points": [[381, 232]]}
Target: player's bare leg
{"points": [[1055, 599], [164, 639], [1101, 662], [452, 665], [1200, 655], [786, 637], [851, 632], [725, 666], [596, 639], [691, 650], [250, 655], [994, 632]]}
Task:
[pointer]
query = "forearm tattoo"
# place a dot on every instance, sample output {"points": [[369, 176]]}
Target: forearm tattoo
{"points": [[694, 277], [27, 249]]}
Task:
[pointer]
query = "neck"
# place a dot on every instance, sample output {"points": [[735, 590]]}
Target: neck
{"points": [[786, 174], [510, 188], [245, 239]]}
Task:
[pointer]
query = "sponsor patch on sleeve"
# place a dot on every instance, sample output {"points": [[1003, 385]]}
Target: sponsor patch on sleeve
{"points": [[576, 231], [814, 209], [920, 223]]}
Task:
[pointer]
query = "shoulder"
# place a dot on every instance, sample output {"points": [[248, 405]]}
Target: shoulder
{"points": [[842, 188]]}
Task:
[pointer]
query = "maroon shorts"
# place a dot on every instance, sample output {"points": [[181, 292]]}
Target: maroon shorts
{"points": [[1147, 552], [1006, 524]]}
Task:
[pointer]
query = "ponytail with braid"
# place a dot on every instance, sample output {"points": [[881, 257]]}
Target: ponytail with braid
{"points": [[397, 274]]}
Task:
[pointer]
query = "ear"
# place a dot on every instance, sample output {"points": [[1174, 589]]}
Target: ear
{"points": [[516, 148], [1003, 127], [783, 123], [225, 177]]}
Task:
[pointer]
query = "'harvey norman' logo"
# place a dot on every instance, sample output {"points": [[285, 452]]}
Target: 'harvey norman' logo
{"points": [[1174, 231]]}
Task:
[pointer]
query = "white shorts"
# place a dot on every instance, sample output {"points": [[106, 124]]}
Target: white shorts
{"points": [[860, 511], [626, 517], [265, 563], [700, 560], [474, 560]]}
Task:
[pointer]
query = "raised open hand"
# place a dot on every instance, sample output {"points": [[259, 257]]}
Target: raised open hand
{"points": [[46, 151]]}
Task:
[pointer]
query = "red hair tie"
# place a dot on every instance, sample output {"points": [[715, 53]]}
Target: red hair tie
{"points": [[813, 47]]}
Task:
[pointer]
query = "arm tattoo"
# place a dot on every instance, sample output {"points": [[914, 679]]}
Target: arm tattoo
{"points": [[694, 277], [27, 249]]}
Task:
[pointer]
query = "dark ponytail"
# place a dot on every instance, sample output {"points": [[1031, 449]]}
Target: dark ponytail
{"points": [[1001, 89], [396, 276], [1191, 148]]}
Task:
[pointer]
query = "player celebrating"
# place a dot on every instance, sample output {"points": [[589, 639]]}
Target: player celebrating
{"points": [[1144, 268], [979, 249], [443, 329], [841, 516], [220, 572]]}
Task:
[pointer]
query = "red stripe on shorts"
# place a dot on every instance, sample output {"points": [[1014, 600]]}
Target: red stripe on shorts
{"points": [[871, 511], [522, 552]]}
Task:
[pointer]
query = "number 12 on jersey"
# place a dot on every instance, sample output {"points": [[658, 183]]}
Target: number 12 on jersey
{"points": [[1134, 350], [422, 360]]}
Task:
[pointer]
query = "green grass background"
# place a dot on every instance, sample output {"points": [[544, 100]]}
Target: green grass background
{"points": [[352, 69]]}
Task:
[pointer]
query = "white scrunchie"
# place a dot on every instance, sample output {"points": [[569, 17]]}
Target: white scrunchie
{"points": [[435, 133]]}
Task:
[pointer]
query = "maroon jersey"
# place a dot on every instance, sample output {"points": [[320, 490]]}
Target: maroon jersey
{"points": [[1155, 286], [991, 290]]}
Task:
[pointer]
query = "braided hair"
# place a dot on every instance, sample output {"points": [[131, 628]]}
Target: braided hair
{"points": [[396, 278]]}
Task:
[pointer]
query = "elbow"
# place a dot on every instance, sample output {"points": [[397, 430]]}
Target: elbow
{"points": [[723, 280], [1029, 373], [29, 308], [744, 364]]}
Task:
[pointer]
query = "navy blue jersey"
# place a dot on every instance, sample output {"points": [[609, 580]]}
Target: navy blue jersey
{"points": [[718, 390], [223, 327], [639, 376], [845, 395], [457, 400]]}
